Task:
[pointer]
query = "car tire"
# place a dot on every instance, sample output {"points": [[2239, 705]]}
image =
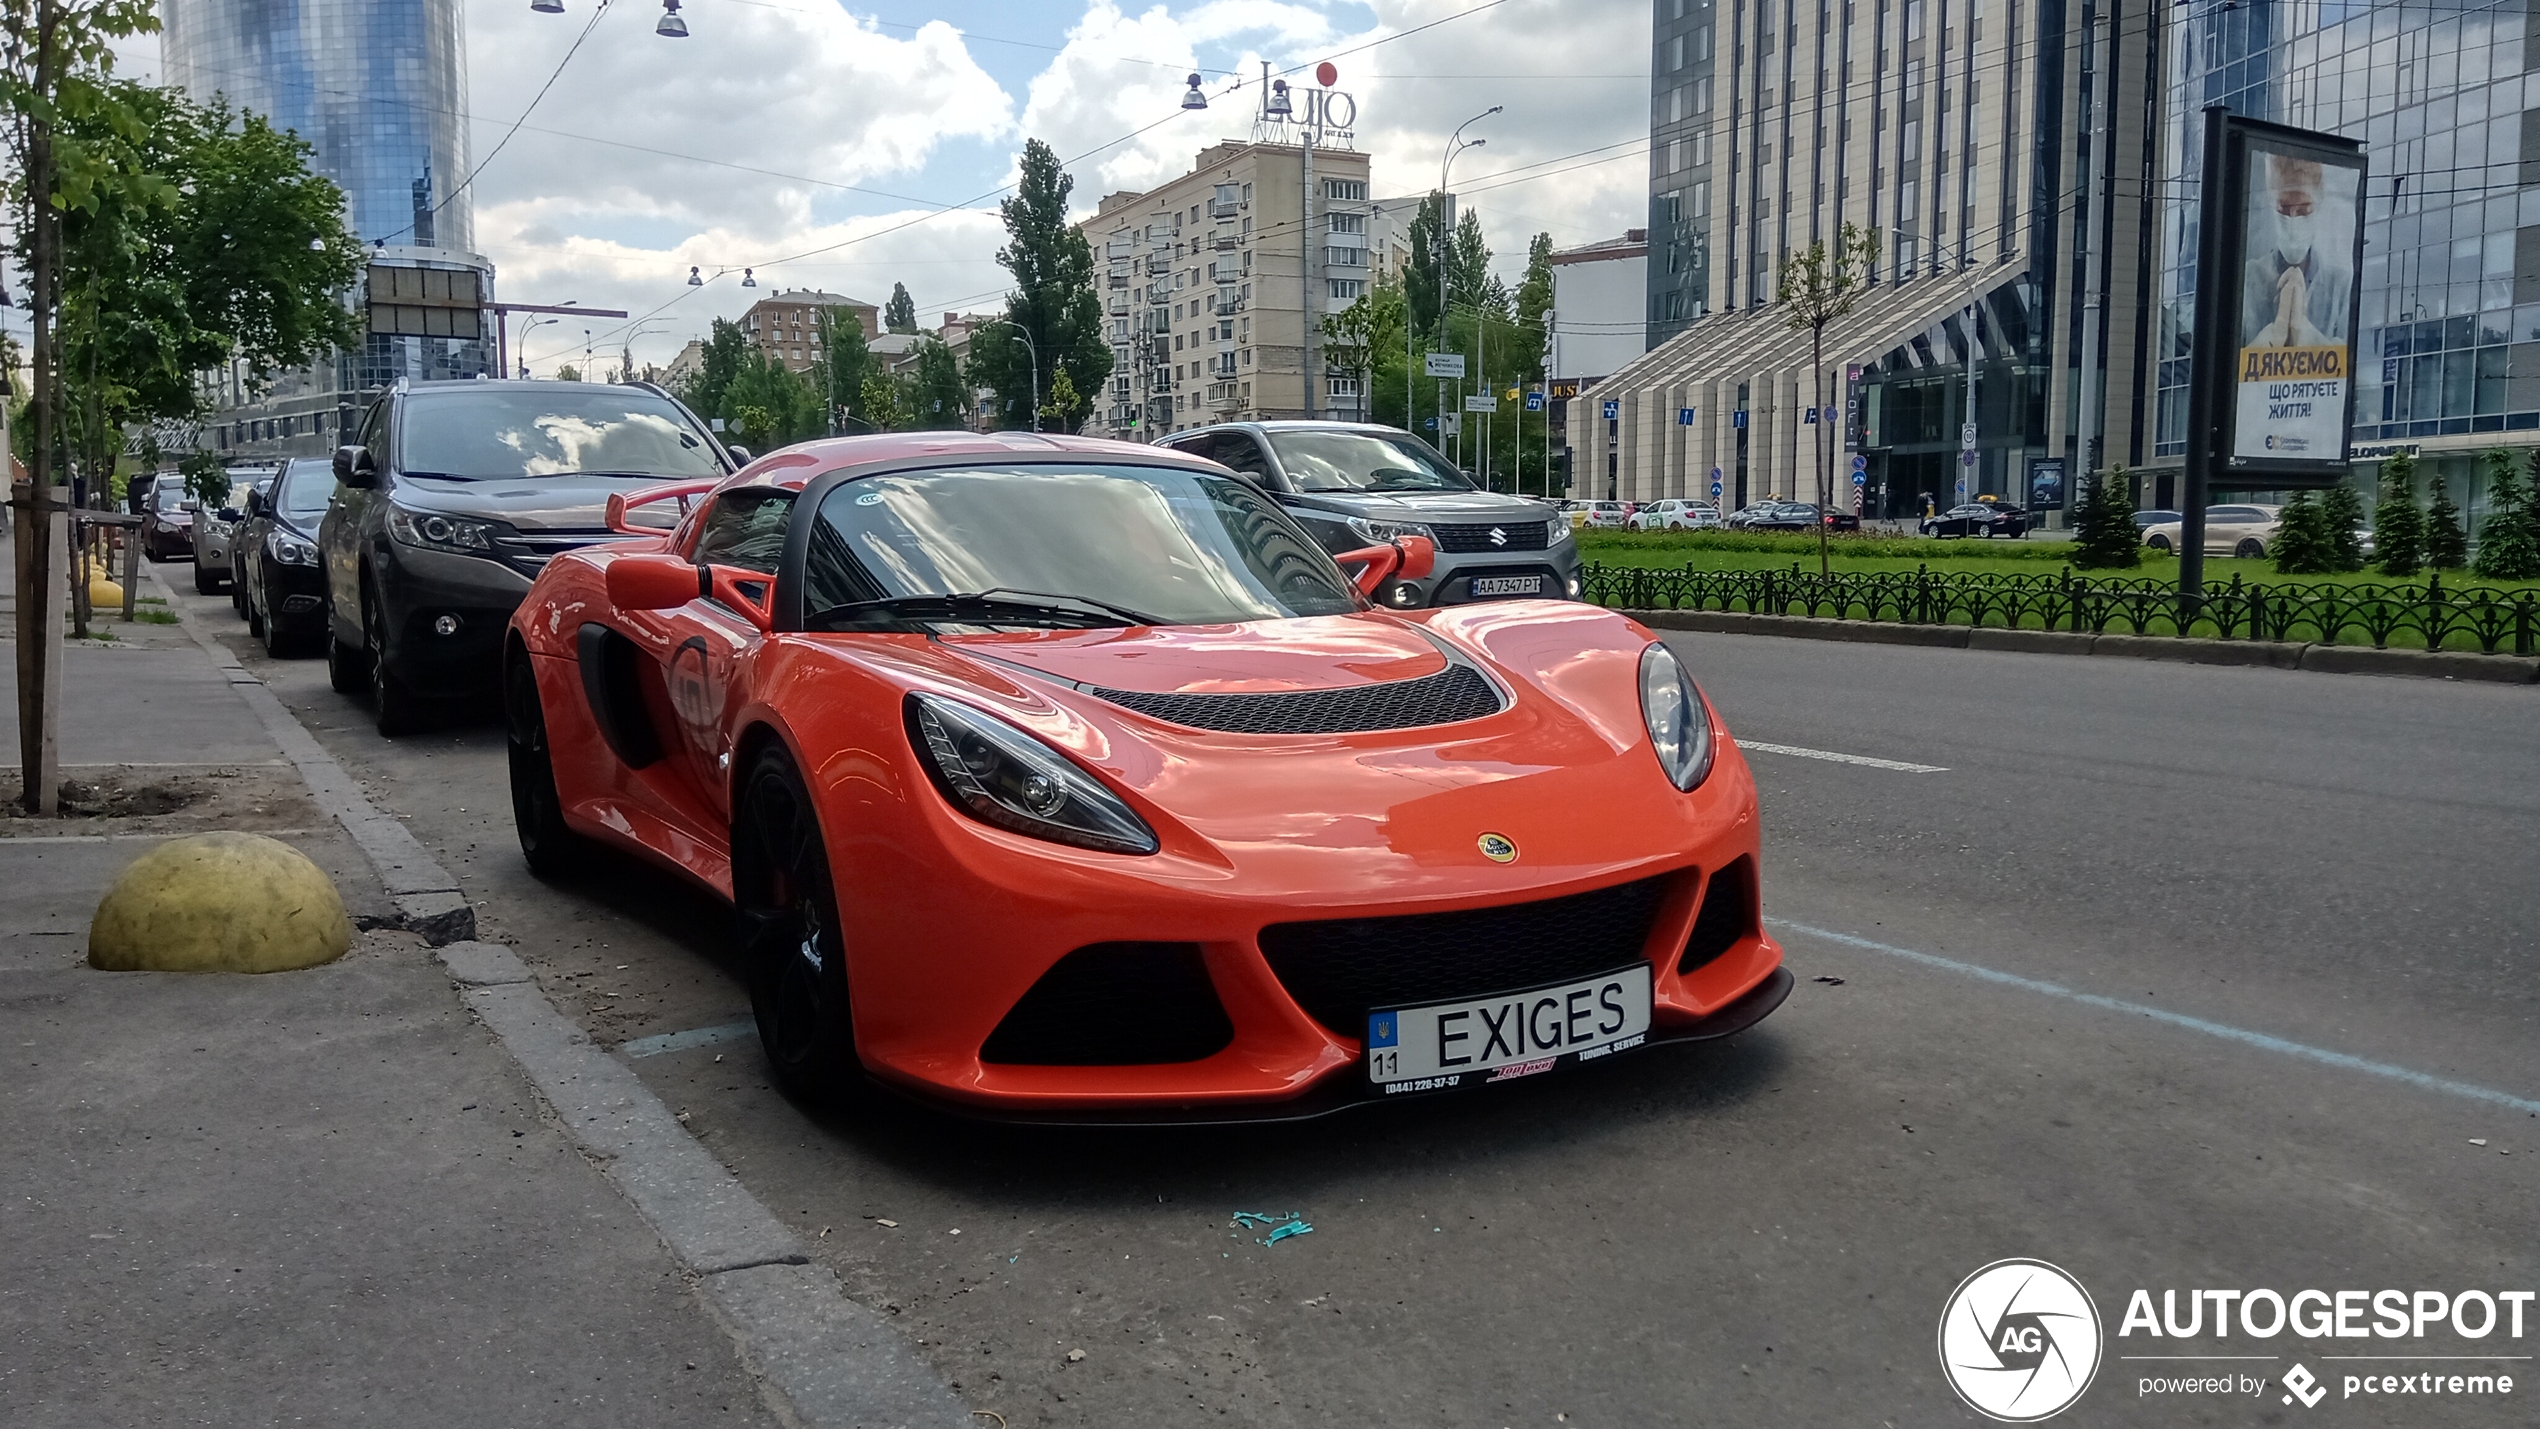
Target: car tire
{"points": [[206, 581], [2157, 543], [344, 668], [786, 906], [395, 708], [2250, 551], [256, 623], [547, 844]]}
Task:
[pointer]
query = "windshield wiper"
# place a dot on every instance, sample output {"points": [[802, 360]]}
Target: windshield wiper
{"points": [[997, 605]]}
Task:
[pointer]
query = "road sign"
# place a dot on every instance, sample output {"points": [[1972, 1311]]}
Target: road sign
{"points": [[1715, 478], [1430, 422], [1613, 409], [1967, 437], [1811, 418], [1534, 401], [1860, 463], [1967, 458], [1450, 425], [1684, 416], [1481, 404], [1737, 418], [1444, 364], [1715, 488], [1860, 478]]}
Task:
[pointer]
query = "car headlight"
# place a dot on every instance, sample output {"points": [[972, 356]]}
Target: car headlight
{"points": [[1556, 531], [999, 775], [436, 532], [289, 550], [1679, 723], [1376, 533]]}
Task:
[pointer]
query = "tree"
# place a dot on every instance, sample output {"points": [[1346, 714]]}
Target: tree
{"points": [[2398, 526], [771, 403], [2108, 538], [1063, 405], [1819, 285], [1421, 275], [567, 372], [838, 375], [900, 314], [1357, 336], [2303, 544], [938, 400], [2342, 514], [2506, 549], [2446, 543], [1053, 304], [725, 350], [883, 409]]}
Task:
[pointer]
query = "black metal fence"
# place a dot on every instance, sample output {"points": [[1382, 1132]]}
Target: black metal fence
{"points": [[2429, 615]]}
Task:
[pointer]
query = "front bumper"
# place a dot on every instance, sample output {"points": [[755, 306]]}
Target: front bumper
{"points": [[417, 588], [1451, 582]]}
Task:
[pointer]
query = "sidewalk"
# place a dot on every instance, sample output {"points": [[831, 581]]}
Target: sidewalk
{"points": [[326, 1196]]}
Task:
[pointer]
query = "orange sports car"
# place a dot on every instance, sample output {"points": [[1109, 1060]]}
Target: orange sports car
{"points": [[1069, 779]]}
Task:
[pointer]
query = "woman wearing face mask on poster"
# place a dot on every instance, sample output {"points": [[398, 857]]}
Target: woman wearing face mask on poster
{"points": [[2298, 277]]}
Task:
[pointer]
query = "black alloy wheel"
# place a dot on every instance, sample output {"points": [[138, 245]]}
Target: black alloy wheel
{"points": [[547, 843], [2250, 551], [791, 948], [395, 708]]}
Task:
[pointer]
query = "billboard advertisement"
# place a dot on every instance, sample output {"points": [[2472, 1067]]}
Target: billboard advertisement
{"points": [[2275, 340]]}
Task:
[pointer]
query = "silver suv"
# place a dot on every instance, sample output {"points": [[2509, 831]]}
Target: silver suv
{"points": [[1353, 484]]}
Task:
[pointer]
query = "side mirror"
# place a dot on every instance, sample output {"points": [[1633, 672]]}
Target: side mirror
{"points": [[652, 581], [740, 453], [255, 502], [1419, 557], [356, 467]]}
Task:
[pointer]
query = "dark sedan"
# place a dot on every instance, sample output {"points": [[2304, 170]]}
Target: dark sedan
{"points": [[278, 573], [1771, 515], [1978, 518], [167, 527]]}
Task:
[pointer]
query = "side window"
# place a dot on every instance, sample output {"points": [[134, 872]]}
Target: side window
{"points": [[375, 430], [1243, 454], [1203, 446], [745, 528]]}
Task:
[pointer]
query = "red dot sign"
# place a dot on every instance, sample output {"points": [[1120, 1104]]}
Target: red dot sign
{"points": [[1327, 74]]}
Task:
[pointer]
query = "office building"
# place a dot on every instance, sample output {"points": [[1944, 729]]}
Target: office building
{"points": [[2447, 103], [1214, 287], [1959, 132], [379, 91], [786, 325]]}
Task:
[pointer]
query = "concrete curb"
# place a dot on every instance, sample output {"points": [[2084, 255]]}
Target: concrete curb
{"points": [[2267, 654], [821, 1359]]}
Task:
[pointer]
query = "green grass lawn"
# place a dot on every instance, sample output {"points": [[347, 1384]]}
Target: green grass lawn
{"points": [[1755, 551]]}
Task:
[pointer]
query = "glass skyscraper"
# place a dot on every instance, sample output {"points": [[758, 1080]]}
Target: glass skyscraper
{"points": [[2446, 100]]}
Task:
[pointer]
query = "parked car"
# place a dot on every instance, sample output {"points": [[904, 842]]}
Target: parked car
{"points": [[2244, 531], [2146, 520], [1978, 518], [278, 576], [454, 497], [1604, 515], [1100, 727], [1674, 515], [1353, 485], [214, 561], [167, 524], [1774, 514]]}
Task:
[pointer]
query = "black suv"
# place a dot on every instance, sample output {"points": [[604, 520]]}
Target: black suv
{"points": [[455, 495]]}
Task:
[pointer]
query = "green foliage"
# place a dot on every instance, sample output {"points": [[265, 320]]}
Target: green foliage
{"points": [[938, 398], [2398, 525], [1620, 547], [2107, 537], [2342, 514], [206, 480], [1819, 284], [881, 406], [772, 404], [900, 313], [1420, 274], [726, 350], [567, 372], [837, 376], [1054, 303], [1534, 291], [2303, 543], [2446, 543], [2507, 549]]}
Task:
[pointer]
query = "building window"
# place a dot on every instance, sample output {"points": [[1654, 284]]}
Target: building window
{"points": [[1345, 189], [1702, 95], [1341, 386], [1701, 205], [1702, 43], [1346, 289], [1349, 222], [1676, 53], [1702, 148]]}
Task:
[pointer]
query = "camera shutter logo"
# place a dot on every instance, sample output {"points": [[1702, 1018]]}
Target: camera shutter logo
{"points": [[2019, 1341]]}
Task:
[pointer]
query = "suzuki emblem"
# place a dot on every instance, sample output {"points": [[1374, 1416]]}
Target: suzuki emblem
{"points": [[1498, 537]]}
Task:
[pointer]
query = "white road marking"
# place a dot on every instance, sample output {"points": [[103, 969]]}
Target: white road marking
{"points": [[1831, 756], [2241, 1035]]}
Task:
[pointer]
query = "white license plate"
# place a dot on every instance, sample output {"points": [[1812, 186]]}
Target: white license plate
{"points": [[1507, 585], [1508, 1035]]}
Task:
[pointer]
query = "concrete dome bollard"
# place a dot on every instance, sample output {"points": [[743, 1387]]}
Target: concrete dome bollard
{"points": [[219, 902]]}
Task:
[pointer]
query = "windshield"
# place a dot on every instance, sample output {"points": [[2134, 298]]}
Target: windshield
{"points": [[1187, 547], [504, 434], [169, 494], [1364, 461], [306, 487]]}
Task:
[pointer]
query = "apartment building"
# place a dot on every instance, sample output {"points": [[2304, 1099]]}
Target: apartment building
{"points": [[1960, 131], [1214, 287], [785, 324]]}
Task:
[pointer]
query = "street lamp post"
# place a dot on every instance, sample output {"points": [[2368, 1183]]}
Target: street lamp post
{"points": [[531, 326], [1032, 348], [1456, 144]]}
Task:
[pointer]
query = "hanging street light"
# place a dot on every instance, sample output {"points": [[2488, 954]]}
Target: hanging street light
{"points": [[671, 27], [1194, 99]]}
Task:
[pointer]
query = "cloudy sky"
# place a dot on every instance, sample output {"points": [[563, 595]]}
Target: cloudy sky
{"points": [[842, 146]]}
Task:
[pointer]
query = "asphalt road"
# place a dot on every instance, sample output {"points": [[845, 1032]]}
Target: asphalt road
{"points": [[2306, 867]]}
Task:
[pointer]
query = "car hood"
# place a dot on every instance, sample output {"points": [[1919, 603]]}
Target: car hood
{"points": [[1454, 507], [1563, 769], [538, 503]]}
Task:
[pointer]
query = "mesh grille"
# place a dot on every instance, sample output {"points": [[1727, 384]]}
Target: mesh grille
{"points": [[1531, 535], [1727, 916], [1115, 1005], [1340, 970], [1457, 692]]}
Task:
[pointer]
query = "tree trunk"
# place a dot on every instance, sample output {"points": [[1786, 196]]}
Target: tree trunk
{"points": [[35, 570]]}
